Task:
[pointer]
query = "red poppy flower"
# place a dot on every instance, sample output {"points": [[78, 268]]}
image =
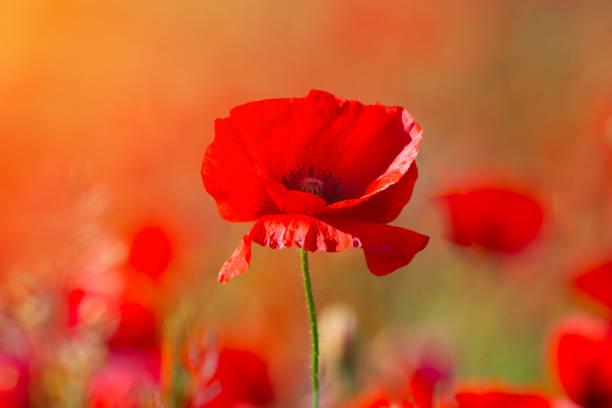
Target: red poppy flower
{"points": [[137, 327], [151, 251], [88, 309], [500, 399], [228, 378], [137, 324], [421, 391], [130, 327], [74, 299], [582, 356], [385, 400], [381, 401], [597, 283], [498, 219], [425, 380], [14, 379], [124, 382], [320, 172]]}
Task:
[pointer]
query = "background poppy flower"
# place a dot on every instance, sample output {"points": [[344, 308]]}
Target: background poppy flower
{"points": [[124, 382], [227, 377], [500, 399], [597, 282], [496, 218], [421, 390], [151, 251], [137, 327], [130, 328], [406, 399], [90, 310], [320, 172], [582, 359], [381, 401], [425, 382], [14, 380]]}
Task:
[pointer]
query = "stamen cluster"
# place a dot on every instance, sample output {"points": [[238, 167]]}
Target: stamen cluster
{"points": [[315, 181]]}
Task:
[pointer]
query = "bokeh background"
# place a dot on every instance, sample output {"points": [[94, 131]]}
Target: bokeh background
{"points": [[106, 109]]}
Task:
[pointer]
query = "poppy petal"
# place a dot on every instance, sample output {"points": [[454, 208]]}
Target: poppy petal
{"points": [[294, 202], [582, 354], [231, 378], [151, 251], [498, 219], [399, 165], [232, 179], [500, 399], [312, 234], [378, 401], [284, 231], [365, 148], [386, 247], [387, 205], [597, 283], [238, 262]]}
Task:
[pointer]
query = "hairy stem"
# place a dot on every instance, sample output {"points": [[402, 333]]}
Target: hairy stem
{"points": [[314, 334]]}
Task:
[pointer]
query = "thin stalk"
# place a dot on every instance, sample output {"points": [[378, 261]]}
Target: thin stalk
{"points": [[314, 334]]}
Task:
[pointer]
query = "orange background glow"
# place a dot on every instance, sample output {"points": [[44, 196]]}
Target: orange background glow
{"points": [[106, 109]]}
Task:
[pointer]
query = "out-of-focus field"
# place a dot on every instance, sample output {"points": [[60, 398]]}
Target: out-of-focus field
{"points": [[106, 109]]}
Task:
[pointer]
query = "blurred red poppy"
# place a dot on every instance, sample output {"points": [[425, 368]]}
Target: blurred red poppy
{"points": [[426, 380], [131, 328], [582, 357], [419, 392], [381, 401], [87, 309], [500, 399], [151, 251], [137, 336], [124, 382], [319, 172], [597, 282], [408, 400], [137, 324], [137, 327], [498, 219], [74, 299], [228, 378], [14, 379]]}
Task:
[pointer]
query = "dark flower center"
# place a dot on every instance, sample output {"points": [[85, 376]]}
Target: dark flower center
{"points": [[311, 180], [597, 397]]}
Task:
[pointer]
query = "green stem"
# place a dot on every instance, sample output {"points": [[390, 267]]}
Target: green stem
{"points": [[314, 334]]}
